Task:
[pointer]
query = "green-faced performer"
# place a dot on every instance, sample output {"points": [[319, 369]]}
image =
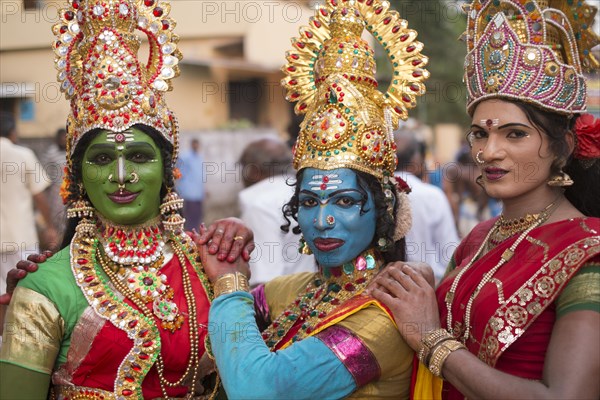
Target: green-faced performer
{"points": [[121, 311]]}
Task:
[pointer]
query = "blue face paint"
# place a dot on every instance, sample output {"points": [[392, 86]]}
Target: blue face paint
{"points": [[330, 215]]}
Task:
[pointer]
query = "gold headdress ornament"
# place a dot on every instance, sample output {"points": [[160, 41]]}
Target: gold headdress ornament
{"points": [[98, 67], [530, 50], [331, 74]]}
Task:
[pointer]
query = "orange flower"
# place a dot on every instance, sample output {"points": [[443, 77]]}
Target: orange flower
{"points": [[176, 173], [64, 189]]}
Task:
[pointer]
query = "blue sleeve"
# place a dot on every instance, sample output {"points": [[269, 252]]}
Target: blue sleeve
{"points": [[307, 369]]}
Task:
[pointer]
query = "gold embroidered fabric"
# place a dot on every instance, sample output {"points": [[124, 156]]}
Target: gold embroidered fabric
{"points": [[371, 325], [582, 292], [83, 336], [33, 331]]}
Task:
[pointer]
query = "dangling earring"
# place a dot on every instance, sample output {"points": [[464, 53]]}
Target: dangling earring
{"points": [[303, 248], [562, 179], [383, 244], [81, 208], [172, 221]]}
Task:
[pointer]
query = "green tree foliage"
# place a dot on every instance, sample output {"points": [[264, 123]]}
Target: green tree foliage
{"points": [[439, 24]]}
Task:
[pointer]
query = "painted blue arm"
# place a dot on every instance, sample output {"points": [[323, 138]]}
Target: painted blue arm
{"points": [[307, 369]]}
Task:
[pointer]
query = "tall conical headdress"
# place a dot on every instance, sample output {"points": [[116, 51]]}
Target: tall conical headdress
{"points": [[331, 74], [530, 50], [98, 67]]}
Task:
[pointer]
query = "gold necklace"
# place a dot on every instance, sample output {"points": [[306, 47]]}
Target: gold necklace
{"points": [[193, 361], [506, 256], [506, 228]]}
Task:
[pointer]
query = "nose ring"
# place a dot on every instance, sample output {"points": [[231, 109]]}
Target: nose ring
{"points": [[330, 219], [110, 177], [134, 178], [478, 157]]}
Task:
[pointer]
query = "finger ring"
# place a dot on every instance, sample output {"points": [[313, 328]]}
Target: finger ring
{"points": [[220, 231], [238, 238]]}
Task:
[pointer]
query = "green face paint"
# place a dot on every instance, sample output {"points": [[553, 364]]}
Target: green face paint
{"points": [[123, 178]]}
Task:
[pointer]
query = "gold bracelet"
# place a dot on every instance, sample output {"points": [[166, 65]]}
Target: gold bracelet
{"points": [[441, 353], [429, 341], [230, 283]]}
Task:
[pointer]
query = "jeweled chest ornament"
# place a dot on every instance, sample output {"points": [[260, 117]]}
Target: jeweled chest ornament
{"points": [[330, 288]]}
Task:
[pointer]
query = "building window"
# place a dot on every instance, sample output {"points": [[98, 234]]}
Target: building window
{"points": [[245, 99], [31, 4]]}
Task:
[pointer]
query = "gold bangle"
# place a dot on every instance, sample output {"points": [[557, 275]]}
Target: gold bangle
{"points": [[230, 283], [429, 341], [441, 353]]}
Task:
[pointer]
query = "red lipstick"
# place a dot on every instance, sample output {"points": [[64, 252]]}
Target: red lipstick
{"points": [[328, 244], [123, 197], [494, 173]]}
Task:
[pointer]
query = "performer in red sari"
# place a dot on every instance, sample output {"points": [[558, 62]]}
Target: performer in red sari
{"points": [[519, 308]]}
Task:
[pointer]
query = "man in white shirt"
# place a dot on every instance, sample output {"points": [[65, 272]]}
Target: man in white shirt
{"points": [[432, 238], [266, 167], [23, 184]]}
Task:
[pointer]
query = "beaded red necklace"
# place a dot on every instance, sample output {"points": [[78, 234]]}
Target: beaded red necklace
{"points": [[127, 245], [330, 288]]}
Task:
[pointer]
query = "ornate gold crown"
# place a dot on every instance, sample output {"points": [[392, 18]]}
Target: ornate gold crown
{"points": [[530, 50], [331, 74], [96, 56]]}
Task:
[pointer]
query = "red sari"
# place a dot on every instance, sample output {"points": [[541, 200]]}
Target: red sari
{"points": [[115, 353], [513, 315]]}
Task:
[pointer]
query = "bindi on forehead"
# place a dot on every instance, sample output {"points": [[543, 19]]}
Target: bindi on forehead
{"points": [[120, 137], [490, 122], [325, 182]]}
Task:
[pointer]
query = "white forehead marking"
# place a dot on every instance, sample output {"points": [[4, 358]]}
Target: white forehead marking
{"points": [[112, 137], [318, 181]]}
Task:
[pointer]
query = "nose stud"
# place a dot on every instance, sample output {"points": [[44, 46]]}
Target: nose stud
{"points": [[330, 219]]}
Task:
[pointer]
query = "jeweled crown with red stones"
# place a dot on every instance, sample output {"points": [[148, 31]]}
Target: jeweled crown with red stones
{"points": [[532, 51], [330, 72], [99, 71]]}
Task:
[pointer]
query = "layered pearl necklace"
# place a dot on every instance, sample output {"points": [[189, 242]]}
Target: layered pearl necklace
{"points": [[194, 361], [329, 288], [501, 227]]}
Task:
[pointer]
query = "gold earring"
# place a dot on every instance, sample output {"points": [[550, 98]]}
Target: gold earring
{"points": [[479, 181], [172, 221], [562, 179], [303, 248]]}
